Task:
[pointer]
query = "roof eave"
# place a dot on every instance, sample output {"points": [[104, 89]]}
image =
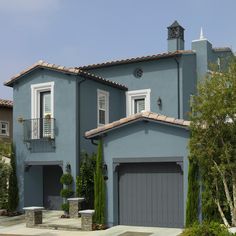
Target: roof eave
{"points": [[76, 71], [96, 135], [11, 82]]}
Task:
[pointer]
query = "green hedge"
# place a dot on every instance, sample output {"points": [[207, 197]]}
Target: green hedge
{"points": [[207, 229]]}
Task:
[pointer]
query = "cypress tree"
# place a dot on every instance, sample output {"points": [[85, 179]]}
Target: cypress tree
{"points": [[193, 194], [99, 188], [13, 197]]}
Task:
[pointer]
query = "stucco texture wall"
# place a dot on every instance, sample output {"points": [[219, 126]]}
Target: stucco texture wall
{"points": [[65, 138], [142, 140]]}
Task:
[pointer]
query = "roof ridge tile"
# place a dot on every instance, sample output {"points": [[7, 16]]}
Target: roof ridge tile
{"points": [[136, 59]]}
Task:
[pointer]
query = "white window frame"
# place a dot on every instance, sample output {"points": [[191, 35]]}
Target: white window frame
{"points": [[102, 92], [7, 130], [36, 89], [131, 96]]}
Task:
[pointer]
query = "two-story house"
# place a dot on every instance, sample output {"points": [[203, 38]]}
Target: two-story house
{"points": [[145, 153], [54, 107], [6, 107]]}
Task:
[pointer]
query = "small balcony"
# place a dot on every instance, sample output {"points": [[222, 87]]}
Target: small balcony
{"points": [[39, 132]]}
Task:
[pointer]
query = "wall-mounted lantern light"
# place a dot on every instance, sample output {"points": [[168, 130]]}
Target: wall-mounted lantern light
{"points": [[68, 168], [104, 168], [159, 102]]}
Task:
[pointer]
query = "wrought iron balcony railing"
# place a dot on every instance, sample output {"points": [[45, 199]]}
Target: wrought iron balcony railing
{"points": [[38, 129]]}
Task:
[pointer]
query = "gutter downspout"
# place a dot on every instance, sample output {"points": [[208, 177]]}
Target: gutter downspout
{"points": [[178, 85], [93, 142], [78, 118]]}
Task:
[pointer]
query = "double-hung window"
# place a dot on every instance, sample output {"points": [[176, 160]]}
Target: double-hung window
{"points": [[4, 128], [137, 101], [102, 107]]}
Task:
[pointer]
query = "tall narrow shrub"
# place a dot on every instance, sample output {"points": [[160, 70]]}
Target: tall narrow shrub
{"points": [[193, 194], [85, 180], [13, 193], [4, 175], [99, 188]]}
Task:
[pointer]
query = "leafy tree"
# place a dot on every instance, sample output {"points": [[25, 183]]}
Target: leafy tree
{"points": [[85, 180], [213, 140], [13, 193], [99, 188]]}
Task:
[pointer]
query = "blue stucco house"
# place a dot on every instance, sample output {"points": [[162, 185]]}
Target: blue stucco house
{"points": [[139, 107]]}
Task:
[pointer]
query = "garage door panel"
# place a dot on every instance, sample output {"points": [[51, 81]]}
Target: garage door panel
{"points": [[151, 194]]}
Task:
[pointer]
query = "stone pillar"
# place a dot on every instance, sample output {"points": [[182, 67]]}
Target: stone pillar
{"points": [[33, 216], [87, 220], [74, 206]]}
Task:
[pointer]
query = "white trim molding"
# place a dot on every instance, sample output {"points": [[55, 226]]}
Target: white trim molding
{"points": [[137, 94], [36, 89], [106, 94]]}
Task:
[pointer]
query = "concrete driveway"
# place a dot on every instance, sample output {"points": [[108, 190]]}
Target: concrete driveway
{"points": [[20, 229], [121, 230], [16, 226]]}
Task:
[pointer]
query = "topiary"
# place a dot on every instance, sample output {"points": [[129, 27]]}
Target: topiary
{"points": [[65, 207], [66, 193], [66, 179]]}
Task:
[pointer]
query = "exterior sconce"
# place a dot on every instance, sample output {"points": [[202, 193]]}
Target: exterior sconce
{"points": [[104, 168], [20, 119], [159, 102], [68, 168]]}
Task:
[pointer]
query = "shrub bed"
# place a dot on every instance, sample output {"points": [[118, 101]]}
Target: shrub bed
{"points": [[207, 229]]}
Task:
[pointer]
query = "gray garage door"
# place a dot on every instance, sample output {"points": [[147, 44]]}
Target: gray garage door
{"points": [[151, 194]]}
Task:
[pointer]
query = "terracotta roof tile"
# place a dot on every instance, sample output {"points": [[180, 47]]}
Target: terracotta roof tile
{"points": [[137, 59], [170, 119], [186, 123], [143, 115], [62, 69], [6, 103]]}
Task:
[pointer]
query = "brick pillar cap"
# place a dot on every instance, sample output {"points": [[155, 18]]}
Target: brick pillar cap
{"points": [[33, 208], [89, 212], [80, 199]]}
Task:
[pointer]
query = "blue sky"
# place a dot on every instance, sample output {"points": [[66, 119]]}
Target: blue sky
{"points": [[80, 32]]}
